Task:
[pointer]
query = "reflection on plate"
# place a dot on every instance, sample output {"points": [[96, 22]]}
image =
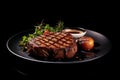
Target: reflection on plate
{"points": [[102, 46]]}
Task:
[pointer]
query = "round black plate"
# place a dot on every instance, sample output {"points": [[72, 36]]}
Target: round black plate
{"points": [[102, 46]]}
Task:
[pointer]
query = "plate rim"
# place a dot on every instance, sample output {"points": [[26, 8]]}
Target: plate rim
{"points": [[54, 62]]}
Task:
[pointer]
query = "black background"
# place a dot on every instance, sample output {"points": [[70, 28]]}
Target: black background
{"points": [[16, 18]]}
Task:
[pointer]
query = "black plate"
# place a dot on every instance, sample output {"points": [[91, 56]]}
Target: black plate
{"points": [[102, 46]]}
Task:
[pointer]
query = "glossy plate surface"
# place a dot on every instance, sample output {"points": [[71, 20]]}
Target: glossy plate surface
{"points": [[102, 47]]}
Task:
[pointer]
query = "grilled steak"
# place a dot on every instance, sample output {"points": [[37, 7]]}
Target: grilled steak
{"points": [[55, 45]]}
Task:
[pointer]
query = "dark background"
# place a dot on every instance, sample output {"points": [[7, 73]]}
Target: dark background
{"points": [[98, 18]]}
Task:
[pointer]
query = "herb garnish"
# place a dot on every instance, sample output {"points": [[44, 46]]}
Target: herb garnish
{"points": [[40, 30]]}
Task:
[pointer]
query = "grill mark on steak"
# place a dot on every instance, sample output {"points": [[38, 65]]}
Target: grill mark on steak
{"points": [[60, 44]]}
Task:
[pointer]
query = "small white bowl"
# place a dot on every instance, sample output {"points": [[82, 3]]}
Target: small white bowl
{"points": [[76, 32]]}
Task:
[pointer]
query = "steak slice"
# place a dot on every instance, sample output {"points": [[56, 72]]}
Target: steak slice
{"points": [[54, 45]]}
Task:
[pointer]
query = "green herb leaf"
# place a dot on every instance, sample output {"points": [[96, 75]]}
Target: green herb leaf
{"points": [[39, 30]]}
